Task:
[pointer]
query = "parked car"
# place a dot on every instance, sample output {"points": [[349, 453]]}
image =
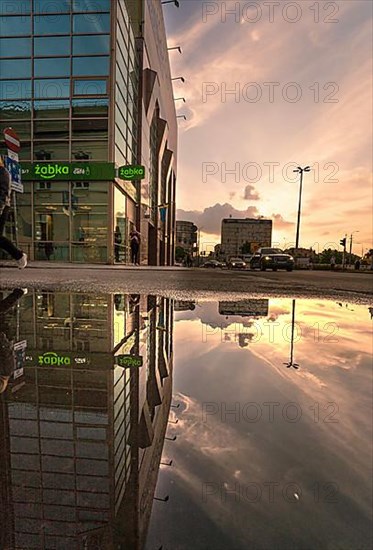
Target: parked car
{"points": [[213, 264], [271, 258], [236, 263]]}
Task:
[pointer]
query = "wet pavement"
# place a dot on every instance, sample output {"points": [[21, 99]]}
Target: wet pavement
{"points": [[132, 421], [181, 283]]}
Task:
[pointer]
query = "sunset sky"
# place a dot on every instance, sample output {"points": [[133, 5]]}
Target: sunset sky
{"points": [[328, 57]]}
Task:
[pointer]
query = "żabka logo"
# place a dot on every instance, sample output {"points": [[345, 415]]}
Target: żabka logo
{"points": [[50, 171], [52, 358], [130, 173]]}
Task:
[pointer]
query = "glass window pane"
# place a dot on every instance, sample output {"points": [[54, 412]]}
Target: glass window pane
{"points": [[15, 89], [90, 87], [54, 108], [15, 26], [23, 129], [44, 150], [90, 128], [51, 192], [86, 45], [51, 129], [15, 7], [52, 46], [90, 66], [91, 5], [51, 88], [93, 24], [89, 150], [15, 68], [90, 107], [15, 47], [92, 192], [15, 110], [25, 152], [51, 6], [52, 24], [51, 223], [52, 67]]}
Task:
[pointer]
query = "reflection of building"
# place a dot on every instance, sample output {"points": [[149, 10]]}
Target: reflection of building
{"points": [[184, 305], [74, 75], [82, 437], [186, 236], [245, 308], [250, 233]]}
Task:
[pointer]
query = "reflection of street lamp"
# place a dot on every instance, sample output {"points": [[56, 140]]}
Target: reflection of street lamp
{"points": [[176, 2], [178, 78], [300, 171], [179, 99], [291, 361]]}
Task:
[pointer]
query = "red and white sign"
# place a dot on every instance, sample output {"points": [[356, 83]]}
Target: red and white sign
{"points": [[12, 140]]}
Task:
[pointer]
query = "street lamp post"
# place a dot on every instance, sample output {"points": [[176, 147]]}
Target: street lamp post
{"points": [[300, 171], [350, 255]]}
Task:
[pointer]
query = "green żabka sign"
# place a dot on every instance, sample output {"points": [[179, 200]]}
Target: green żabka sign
{"points": [[126, 361], [65, 171], [131, 172]]}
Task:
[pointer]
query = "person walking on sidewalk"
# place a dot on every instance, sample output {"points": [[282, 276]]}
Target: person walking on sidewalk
{"points": [[135, 246], [6, 244]]}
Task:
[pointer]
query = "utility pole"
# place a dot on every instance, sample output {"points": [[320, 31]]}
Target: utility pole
{"points": [[350, 255]]}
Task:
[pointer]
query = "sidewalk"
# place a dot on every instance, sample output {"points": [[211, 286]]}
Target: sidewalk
{"points": [[64, 265]]}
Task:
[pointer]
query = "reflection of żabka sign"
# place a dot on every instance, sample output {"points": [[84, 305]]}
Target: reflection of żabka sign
{"points": [[132, 172], [65, 171]]}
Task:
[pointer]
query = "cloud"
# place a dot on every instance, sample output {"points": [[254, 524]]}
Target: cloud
{"points": [[250, 193], [280, 223], [210, 218]]}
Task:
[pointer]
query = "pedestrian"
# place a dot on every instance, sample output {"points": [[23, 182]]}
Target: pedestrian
{"points": [[6, 244], [117, 243], [135, 239], [357, 264], [332, 262], [48, 249]]}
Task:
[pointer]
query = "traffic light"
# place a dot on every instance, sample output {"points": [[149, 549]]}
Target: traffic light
{"points": [[342, 242]]}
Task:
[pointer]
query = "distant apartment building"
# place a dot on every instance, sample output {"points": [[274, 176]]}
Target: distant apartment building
{"points": [[244, 308], [186, 236], [248, 233]]}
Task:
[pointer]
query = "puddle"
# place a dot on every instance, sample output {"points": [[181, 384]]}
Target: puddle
{"points": [[131, 422]]}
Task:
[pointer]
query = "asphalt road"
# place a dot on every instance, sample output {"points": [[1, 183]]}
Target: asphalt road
{"points": [[189, 283]]}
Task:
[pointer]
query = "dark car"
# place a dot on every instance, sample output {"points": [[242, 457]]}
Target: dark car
{"points": [[271, 258], [212, 264], [236, 263]]}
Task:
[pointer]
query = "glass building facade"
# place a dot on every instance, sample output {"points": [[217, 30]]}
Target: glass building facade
{"points": [[68, 87]]}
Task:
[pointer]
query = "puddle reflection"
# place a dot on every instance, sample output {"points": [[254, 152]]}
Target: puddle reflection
{"points": [[83, 417], [266, 443]]}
